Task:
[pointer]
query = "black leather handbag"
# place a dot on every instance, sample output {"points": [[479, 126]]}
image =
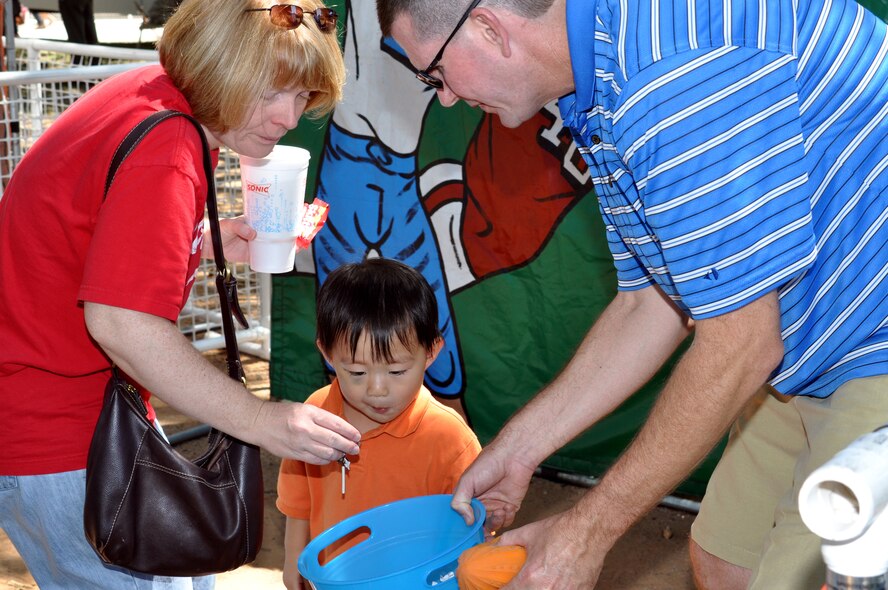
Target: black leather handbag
{"points": [[148, 508]]}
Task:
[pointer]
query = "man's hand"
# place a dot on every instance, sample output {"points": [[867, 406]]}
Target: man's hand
{"points": [[628, 343], [561, 554], [729, 360], [499, 480]]}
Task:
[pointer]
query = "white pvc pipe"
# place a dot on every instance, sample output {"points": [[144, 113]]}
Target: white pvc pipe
{"points": [[89, 50], [265, 286], [839, 500], [864, 557], [845, 502], [55, 76], [588, 481], [257, 333]]}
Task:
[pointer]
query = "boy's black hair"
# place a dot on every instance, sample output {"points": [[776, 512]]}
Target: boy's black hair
{"points": [[382, 297]]}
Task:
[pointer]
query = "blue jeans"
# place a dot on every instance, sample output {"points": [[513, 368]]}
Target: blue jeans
{"points": [[43, 517]]}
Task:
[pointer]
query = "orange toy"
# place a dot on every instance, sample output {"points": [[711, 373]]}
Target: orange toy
{"points": [[489, 566]]}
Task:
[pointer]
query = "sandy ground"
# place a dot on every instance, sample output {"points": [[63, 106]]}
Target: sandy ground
{"points": [[652, 556]]}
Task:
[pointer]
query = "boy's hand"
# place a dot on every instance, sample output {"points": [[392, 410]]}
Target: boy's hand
{"points": [[292, 579], [295, 540]]}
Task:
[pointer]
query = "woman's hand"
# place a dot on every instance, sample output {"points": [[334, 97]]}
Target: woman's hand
{"points": [[236, 235], [306, 433]]}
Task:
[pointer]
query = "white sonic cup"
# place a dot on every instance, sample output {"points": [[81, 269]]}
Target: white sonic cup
{"points": [[274, 193]]}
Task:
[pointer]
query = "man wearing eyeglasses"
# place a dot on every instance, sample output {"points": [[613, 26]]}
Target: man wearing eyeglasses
{"points": [[739, 156]]}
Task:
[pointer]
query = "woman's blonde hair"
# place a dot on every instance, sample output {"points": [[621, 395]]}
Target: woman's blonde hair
{"points": [[224, 59]]}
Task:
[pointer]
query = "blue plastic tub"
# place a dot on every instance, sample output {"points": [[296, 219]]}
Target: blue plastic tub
{"points": [[413, 544]]}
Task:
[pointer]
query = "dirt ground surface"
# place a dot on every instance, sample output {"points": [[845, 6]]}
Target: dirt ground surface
{"points": [[651, 556]]}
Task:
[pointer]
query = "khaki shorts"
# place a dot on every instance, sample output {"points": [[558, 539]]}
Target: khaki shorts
{"points": [[749, 516]]}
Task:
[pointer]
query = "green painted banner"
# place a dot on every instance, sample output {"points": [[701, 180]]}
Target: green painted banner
{"points": [[513, 239]]}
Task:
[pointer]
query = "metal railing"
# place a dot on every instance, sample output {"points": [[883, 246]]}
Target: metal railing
{"points": [[49, 77]]}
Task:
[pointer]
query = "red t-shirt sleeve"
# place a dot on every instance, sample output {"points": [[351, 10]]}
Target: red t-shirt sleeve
{"points": [[147, 240]]}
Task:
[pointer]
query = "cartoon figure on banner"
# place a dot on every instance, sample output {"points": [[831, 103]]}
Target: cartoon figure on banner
{"points": [[508, 204], [452, 221], [368, 176]]}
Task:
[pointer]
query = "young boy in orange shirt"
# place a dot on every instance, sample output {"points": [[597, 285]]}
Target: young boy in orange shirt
{"points": [[377, 326]]}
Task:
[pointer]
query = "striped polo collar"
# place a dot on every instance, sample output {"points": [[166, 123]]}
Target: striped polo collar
{"points": [[581, 43]]}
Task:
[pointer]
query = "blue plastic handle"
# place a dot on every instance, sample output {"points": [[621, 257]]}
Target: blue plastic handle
{"points": [[381, 526]]}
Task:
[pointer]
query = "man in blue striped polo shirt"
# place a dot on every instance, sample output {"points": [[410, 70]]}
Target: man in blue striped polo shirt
{"points": [[739, 153]]}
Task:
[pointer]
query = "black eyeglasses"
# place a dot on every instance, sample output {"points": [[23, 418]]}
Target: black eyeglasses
{"points": [[425, 75], [290, 16]]}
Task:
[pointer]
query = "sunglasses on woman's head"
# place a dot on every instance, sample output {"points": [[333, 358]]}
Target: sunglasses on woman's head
{"points": [[290, 16]]}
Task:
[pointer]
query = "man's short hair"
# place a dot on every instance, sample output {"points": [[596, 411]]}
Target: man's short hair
{"points": [[434, 18]]}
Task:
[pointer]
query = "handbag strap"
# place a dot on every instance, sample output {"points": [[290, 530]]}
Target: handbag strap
{"points": [[226, 283]]}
